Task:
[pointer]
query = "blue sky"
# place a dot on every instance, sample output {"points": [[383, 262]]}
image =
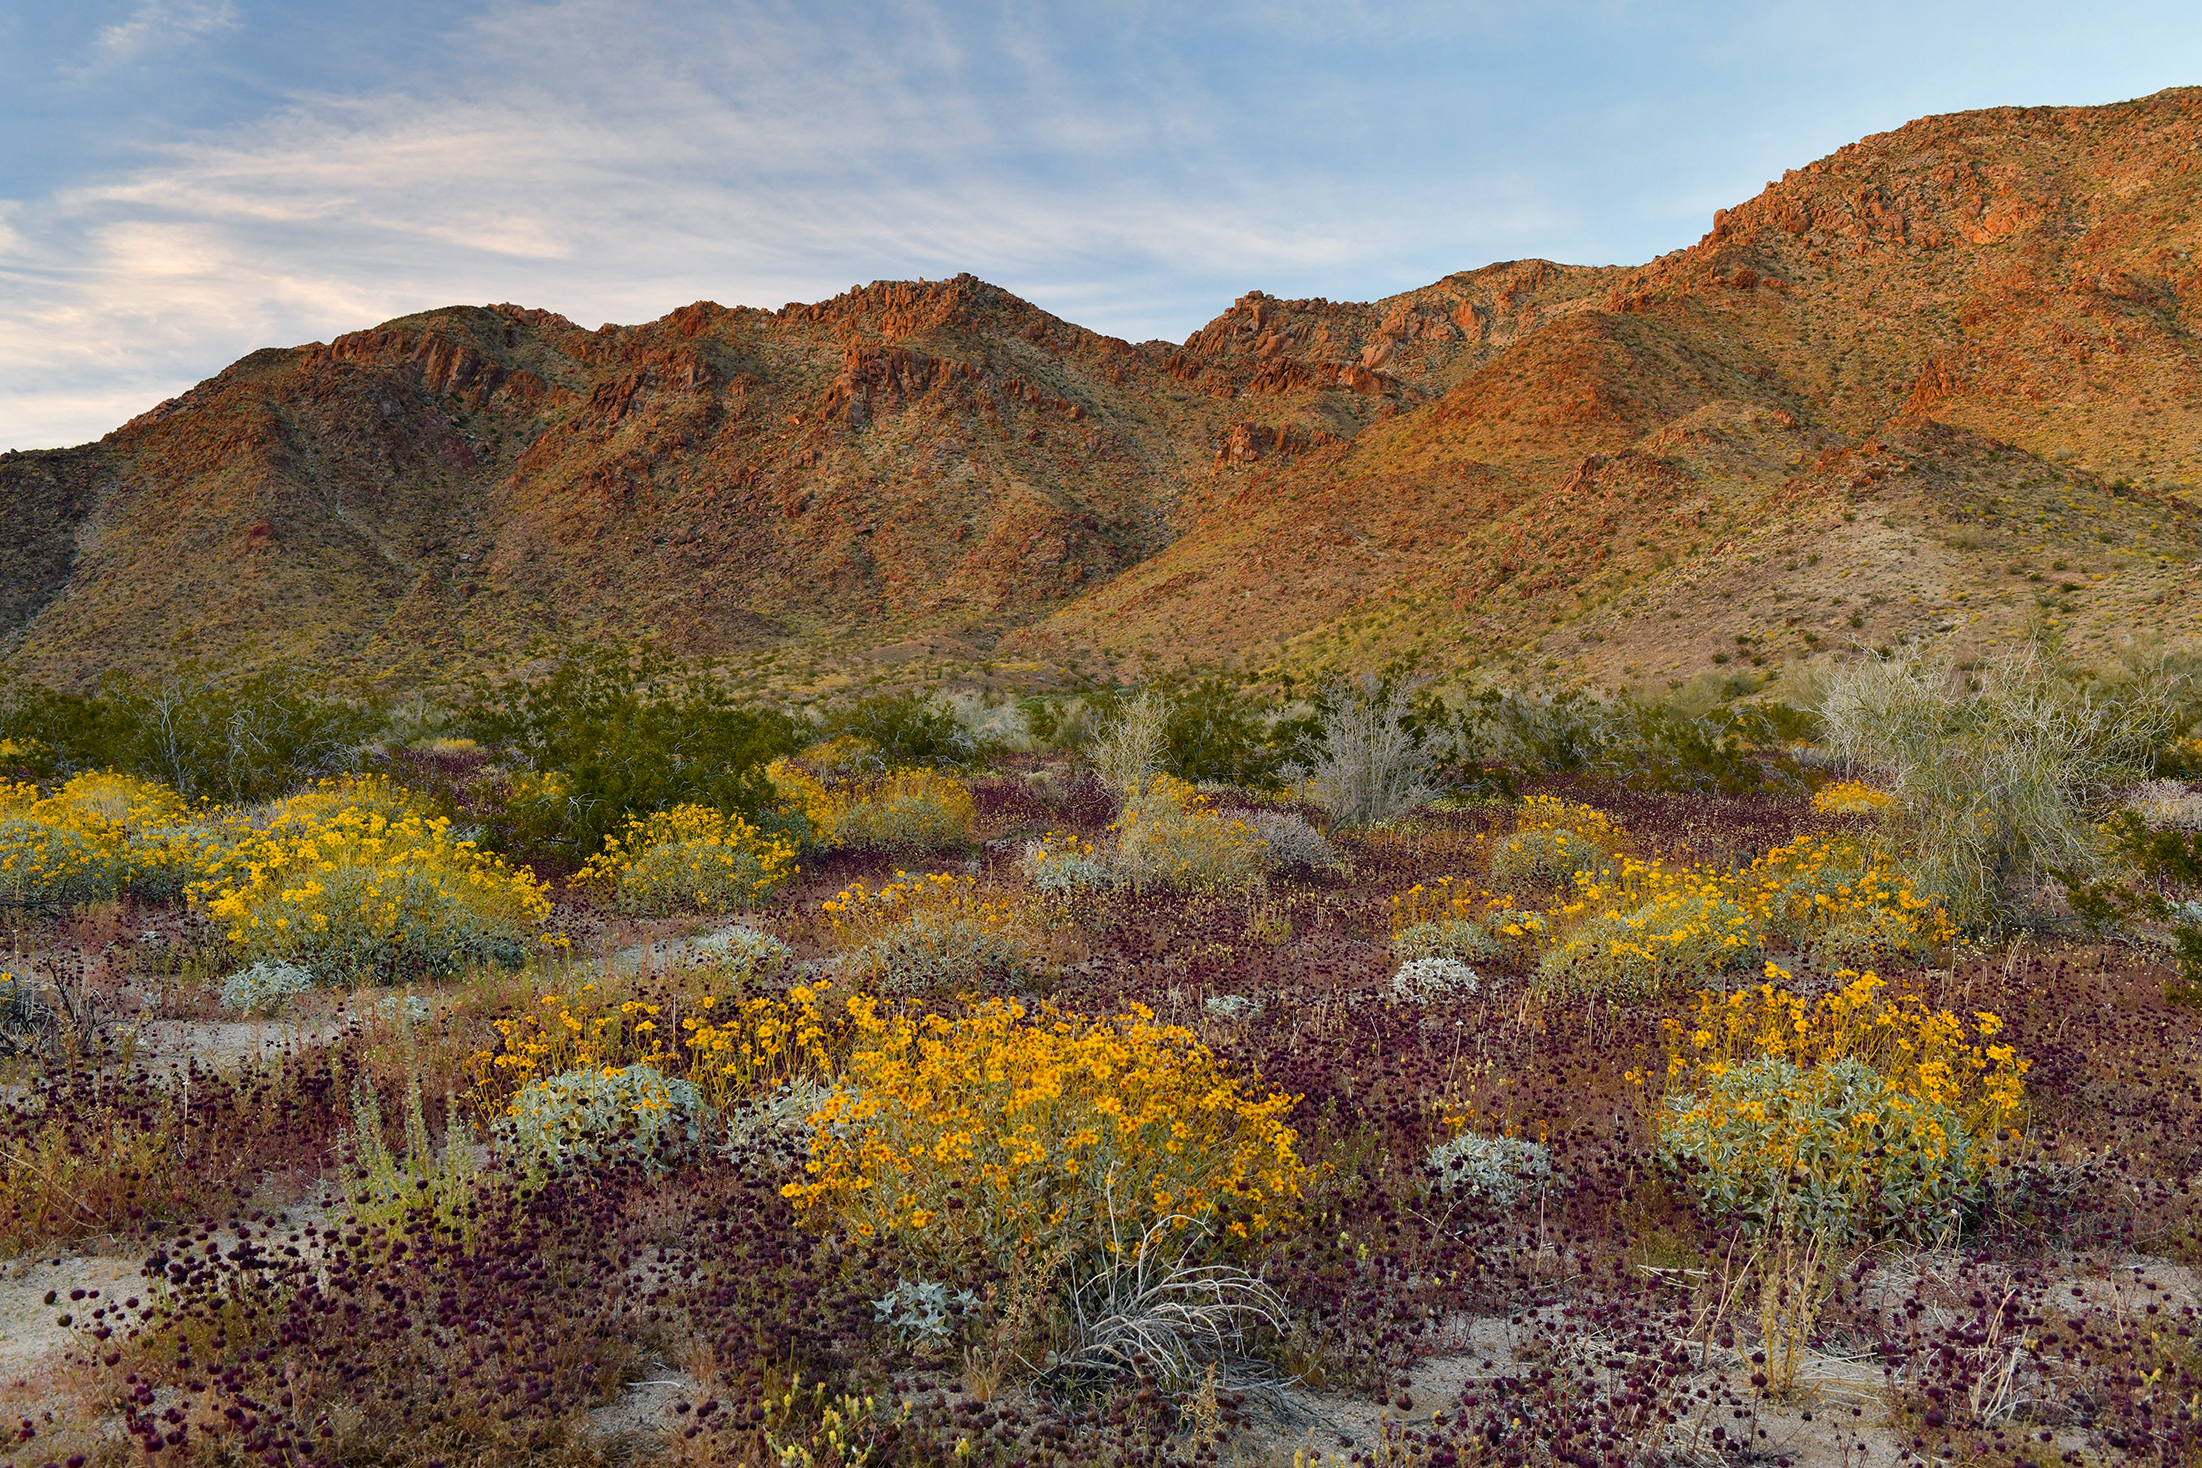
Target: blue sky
{"points": [[185, 180]]}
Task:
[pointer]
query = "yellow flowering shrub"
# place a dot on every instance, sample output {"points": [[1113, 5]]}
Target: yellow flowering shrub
{"points": [[1857, 1115], [355, 895], [903, 810], [104, 833], [933, 931], [1851, 798], [367, 794], [1001, 1135], [1168, 836], [691, 858], [1552, 841], [1838, 902], [1645, 928], [1443, 919], [744, 1047], [907, 810]]}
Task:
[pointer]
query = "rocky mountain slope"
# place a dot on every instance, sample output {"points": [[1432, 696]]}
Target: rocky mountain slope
{"points": [[1940, 385]]}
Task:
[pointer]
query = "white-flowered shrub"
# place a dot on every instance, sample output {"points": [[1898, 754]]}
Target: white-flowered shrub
{"points": [[596, 1114], [1499, 1170], [1433, 980], [265, 987]]}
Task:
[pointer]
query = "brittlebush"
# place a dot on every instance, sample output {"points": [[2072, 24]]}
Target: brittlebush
{"points": [[1858, 1115], [1168, 837], [929, 932], [906, 810], [102, 834], [1003, 1135], [691, 858], [349, 893]]}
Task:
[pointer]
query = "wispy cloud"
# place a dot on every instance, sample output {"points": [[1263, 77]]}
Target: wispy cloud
{"points": [[158, 24]]}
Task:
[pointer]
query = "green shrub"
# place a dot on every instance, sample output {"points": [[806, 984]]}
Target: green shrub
{"points": [[906, 729], [606, 740]]}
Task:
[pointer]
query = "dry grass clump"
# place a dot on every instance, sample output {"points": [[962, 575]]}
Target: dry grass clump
{"points": [[1993, 778]]}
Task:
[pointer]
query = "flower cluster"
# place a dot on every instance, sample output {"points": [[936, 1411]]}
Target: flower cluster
{"points": [[933, 931], [1645, 928], [1169, 837], [351, 893], [908, 810], [1851, 798], [1839, 902], [1001, 1135], [101, 834], [1858, 1115], [691, 858], [745, 1047], [1553, 840]]}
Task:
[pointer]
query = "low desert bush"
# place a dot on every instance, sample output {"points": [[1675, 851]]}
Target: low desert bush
{"points": [[742, 953], [1647, 929], [102, 834], [999, 1136], [1856, 1116], [1552, 841], [930, 932], [1169, 837], [1839, 902], [905, 729], [771, 1045], [357, 897], [1059, 864], [1288, 842], [589, 1115], [1499, 1170], [1433, 981], [1443, 919], [1372, 765], [265, 987], [691, 858], [907, 810]]}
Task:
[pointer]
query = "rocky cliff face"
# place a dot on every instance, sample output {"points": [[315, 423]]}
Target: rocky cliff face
{"points": [[1955, 324]]}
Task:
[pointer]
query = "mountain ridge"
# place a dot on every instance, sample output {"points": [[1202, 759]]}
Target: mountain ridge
{"points": [[1973, 336]]}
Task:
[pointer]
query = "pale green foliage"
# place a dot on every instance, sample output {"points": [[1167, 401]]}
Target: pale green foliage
{"points": [[1457, 938], [1993, 774], [590, 1114], [1692, 934], [1803, 1147], [942, 951], [265, 987], [1288, 841], [742, 950], [1545, 857], [1500, 1170], [1433, 980]]}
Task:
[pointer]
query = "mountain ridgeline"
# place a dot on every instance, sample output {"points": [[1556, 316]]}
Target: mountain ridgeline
{"points": [[1942, 386]]}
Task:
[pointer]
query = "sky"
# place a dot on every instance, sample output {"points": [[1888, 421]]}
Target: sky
{"points": [[183, 181]]}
